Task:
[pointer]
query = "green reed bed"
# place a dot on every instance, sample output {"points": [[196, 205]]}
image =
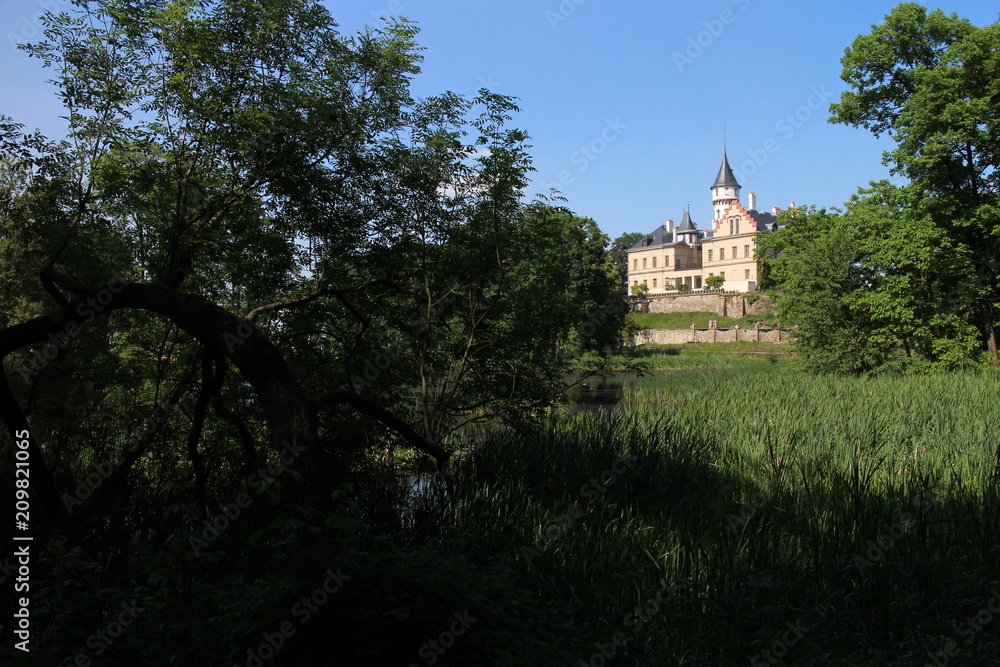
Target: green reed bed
{"points": [[716, 506]]}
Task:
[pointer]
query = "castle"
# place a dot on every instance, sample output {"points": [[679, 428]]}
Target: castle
{"points": [[682, 257]]}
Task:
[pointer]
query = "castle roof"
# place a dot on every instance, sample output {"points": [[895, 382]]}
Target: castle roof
{"points": [[658, 237], [725, 179], [687, 226]]}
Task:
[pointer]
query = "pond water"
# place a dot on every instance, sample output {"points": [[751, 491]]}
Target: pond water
{"points": [[596, 394]]}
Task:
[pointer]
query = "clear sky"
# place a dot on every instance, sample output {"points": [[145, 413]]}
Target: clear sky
{"points": [[625, 101]]}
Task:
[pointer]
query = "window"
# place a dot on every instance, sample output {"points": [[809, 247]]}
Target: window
{"points": [[746, 251], [654, 266], [722, 254], [635, 266], [737, 225], [644, 262], [735, 254], [747, 274], [710, 255], [710, 275], [730, 226], [644, 283], [654, 279], [667, 261]]}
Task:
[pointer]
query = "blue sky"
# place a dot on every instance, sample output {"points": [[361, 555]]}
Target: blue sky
{"points": [[625, 101]]}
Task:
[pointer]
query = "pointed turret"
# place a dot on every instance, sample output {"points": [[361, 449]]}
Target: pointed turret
{"points": [[725, 179], [726, 188], [687, 232], [687, 225]]}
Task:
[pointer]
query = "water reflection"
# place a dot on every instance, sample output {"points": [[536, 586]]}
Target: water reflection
{"points": [[596, 394]]}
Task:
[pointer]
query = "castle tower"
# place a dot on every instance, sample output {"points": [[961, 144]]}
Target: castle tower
{"points": [[687, 232], [725, 190]]}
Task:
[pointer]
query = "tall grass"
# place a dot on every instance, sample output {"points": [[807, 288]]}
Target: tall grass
{"points": [[756, 495]]}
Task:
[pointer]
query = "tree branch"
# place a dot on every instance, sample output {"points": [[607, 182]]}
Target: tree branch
{"points": [[378, 413]]}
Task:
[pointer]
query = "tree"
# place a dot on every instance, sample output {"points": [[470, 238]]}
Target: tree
{"points": [[640, 290], [619, 255], [858, 288], [819, 263], [715, 282], [496, 317], [929, 81]]}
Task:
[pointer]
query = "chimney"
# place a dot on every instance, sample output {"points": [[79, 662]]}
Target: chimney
{"points": [[752, 201], [775, 210], [792, 205]]}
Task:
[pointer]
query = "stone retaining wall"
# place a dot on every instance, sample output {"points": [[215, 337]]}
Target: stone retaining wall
{"points": [[681, 336]]}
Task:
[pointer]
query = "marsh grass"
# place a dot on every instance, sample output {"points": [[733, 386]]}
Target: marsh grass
{"points": [[757, 495]]}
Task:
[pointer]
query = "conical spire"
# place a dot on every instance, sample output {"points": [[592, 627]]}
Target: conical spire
{"points": [[725, 179], [687, 225]]}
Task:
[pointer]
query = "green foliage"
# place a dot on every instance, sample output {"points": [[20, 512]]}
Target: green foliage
{"points": [[929, 81], [639, 290], [619, 255], [715, 282], [870, 289]]}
